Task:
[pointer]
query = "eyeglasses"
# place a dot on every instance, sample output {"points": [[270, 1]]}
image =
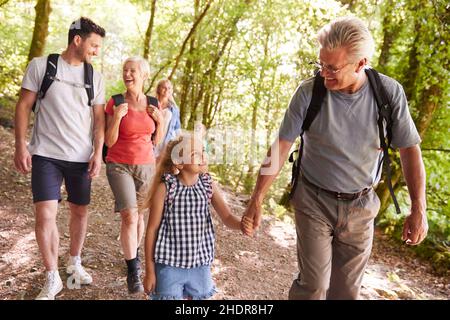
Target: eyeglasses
{"points": [[321, 67]]}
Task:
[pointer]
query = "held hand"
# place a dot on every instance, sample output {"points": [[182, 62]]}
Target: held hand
{"points": [[254, 212], [149, 282], [121, 110], [22, 160], [247, 226], [154, 113], [415, 228], [95, 164]]}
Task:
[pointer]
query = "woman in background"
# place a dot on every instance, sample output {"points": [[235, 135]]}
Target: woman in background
{"points": [[171, 125]]}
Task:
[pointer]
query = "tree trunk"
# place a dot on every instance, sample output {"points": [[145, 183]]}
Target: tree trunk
{"points": [[2, 3], [428, 108], [409, 87], [208, 97], [192, 69], [204, 99], [190, 34], [186, 85], [40, 32], [390, 30], [413, 70], [258, 89], [218, 97], [350, 4], [269, 110], [148, 34], [211, 73], [427, 101], [189, 79], [194, 116]]}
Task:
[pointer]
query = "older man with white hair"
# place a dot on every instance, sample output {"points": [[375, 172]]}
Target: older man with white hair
{"points": [[335, 202]]}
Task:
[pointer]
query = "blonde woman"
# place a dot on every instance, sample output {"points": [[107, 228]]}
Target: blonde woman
{"points": [[171, 126]]}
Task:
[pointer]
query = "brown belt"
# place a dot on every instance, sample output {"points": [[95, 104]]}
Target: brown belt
{"points": [[340, 195]]}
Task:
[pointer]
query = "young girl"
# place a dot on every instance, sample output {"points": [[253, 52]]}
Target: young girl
{"points": [[179, 242]]}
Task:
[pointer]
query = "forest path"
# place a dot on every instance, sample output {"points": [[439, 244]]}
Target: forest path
{"points": [[256, 268]]}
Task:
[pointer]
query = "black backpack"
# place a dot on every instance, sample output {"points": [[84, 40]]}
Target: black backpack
{"points": [[50, 76], [118, 100], [384, 116]]}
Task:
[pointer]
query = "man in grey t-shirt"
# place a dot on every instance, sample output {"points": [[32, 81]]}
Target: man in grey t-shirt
{"points": [[341, 154], [66, 144]]}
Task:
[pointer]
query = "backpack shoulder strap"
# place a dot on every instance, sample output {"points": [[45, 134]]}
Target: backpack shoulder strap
{"points": [[151, 100], [89, 81], [384, 117], [384, 106], [50, 72], [118, 99], [318, 94]]}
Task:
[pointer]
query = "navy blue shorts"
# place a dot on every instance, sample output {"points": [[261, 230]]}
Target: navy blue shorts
{"points": [[47, 175]]}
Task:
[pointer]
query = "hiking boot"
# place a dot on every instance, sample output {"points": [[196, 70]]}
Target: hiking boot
{"points": [[139, 267], [75, 268], [53, 285], [139, 264], [134, 283]]}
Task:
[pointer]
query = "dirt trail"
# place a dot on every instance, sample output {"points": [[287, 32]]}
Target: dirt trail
{"points": [[245, 268]]}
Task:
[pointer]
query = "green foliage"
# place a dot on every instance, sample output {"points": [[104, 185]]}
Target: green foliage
{"points": [[15, 37], [115, 88], [279, 211], [249, 56], [419, 59], [436, 246]]}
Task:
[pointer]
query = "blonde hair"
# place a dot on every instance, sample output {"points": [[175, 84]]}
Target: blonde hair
{"points": [[167, 163], [160, 84], [350, 33]]}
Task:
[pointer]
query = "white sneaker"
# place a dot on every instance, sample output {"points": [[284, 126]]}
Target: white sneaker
{"points": [[53, 285], [75, 268]]}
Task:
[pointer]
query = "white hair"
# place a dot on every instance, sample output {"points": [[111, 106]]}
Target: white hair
{"points": [[144, 66], [350, 33]]}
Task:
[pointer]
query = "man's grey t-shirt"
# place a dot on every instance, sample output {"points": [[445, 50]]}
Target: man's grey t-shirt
{"points": [[63, 126], [342, 146]]}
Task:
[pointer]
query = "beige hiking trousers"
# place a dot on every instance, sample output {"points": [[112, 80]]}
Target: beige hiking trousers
{"points": [[334, 241]]}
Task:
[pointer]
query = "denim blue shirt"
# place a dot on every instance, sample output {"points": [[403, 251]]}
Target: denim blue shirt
{"points": [[174, 125], [173, 129]]}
